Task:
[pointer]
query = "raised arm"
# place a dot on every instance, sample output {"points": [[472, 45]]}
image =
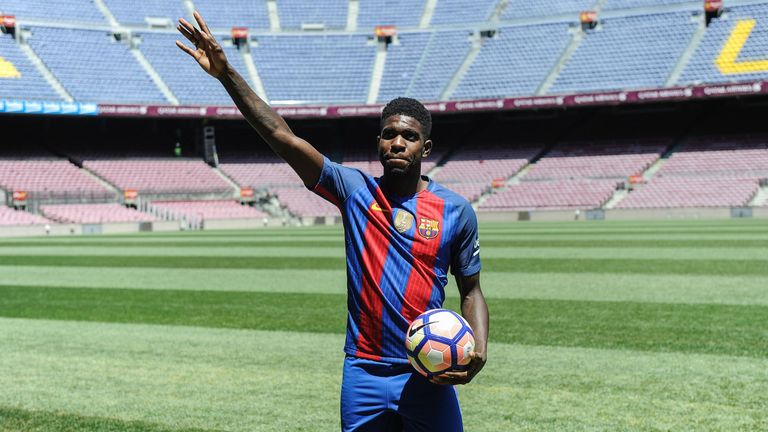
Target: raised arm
{"points": [[475, 311], [300, 155]]}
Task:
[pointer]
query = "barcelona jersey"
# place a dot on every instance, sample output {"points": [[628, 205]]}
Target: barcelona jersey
{"points": [[399, 250]]}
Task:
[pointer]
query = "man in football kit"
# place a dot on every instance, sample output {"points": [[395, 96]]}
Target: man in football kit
{"points": [[403, 231]]}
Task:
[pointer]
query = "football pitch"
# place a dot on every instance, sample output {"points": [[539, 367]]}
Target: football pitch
{"points": [[600, 326]]}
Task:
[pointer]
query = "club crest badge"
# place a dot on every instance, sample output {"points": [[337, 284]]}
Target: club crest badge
{"points": [[403, 221], [429, 228]]}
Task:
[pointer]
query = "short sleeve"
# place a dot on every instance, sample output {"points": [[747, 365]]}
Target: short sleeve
{"points": [[465, 252], [337, 182]]}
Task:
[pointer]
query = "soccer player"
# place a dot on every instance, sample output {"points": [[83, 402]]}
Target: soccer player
{"points": [[403, 231]]}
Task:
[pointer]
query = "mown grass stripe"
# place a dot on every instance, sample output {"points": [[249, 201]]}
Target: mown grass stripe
{"points": [[712, 329], [15, 419], [285, 381], [338, 241], [543, 265], [736, 290], [338, 251]]}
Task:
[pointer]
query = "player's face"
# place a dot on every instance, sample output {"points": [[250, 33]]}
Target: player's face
{"points": [[402, 145]]}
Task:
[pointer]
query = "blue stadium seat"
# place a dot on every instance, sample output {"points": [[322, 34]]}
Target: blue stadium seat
{"points": [[93, 67], [628, 52], [187, 81], [459, 12], [545, 8], [83, 11], [225, 14], [126, 12], [702, 67], [389, 12], [30, 85], [447, 51], [315, 69], [403, 64], [331, 13], [515, 62]]}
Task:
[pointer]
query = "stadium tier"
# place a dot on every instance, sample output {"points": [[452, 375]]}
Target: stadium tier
{"points": [[666, 192], [94, 213], [18, 77], [315, 69], [127, 12], [629, 52], [93, 66], [225, 14], [11, 217], [158, 177], [555, 195], [595, 161], [331, 14], [303, 202], [451, 12], [503, 49], [514, 62], [517, 9], [190, 85], [73, 11], [439, 64], [207, 210], [742, 56], [389, 12], [50, 180]]}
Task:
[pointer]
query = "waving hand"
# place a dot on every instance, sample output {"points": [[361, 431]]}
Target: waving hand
{"points": [[208, 53]]}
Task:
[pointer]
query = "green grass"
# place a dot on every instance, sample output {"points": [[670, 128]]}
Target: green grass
{"points": [[702, 328], [36, 421], [594, 326]]}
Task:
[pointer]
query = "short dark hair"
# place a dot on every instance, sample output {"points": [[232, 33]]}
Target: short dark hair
{"points": [[411, 108]]}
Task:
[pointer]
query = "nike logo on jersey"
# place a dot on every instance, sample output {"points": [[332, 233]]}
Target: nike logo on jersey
{"points": [[417, 328]]}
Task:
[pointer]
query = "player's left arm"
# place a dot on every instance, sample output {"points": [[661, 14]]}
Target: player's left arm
{"points": [[475, 311]]}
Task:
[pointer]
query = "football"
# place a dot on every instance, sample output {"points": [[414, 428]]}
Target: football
{"points": [[439, 340]]}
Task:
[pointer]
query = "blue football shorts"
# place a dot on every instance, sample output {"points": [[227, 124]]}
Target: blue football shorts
{"points": [[384, 397]]}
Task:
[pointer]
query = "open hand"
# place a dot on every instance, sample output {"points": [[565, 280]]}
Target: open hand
{"points": [[464, 377], [208, 53]]}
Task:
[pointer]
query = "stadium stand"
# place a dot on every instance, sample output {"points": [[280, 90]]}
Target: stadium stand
{"points": [[627, 52], [127, 12], [446, 52], [18, 77], [225, 14], [404, 61], [315, 69], [11, 217], [50, 180], [556, 195], [74, 11], [208, 210], [332, 14], [634, 4], [452, 12], [390, 12], [530, 51], [93, 213], [190, 85], [703, 68], [470, 172], [666, 192], [157, 177], [304, 203], [585, 160], [93, 66], [517, 9]]}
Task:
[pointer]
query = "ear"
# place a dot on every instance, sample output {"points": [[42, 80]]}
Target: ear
{"points": [[427, 149]]}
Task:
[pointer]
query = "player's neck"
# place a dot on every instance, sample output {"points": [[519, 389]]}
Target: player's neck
{"points": [[403, 185]]}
